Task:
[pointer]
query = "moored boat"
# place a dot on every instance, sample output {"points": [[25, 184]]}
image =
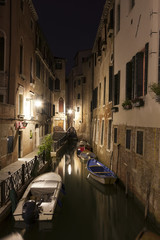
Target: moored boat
{"points": [[40, 199], [100, 172], [81, 146], [86, 155], [147, 235]]}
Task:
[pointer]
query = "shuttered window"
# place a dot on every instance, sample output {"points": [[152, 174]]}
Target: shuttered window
{"points": [[137, 75], [117, 88], [110, 82]]}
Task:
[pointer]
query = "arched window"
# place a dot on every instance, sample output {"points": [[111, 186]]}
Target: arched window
{"points": [[61, 105], [57, 84], [2, 47]]}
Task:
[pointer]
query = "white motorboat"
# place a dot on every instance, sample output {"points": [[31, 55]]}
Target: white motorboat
{"points": [[40, 199]]}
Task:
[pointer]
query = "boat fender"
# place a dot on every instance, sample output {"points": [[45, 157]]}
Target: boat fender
{"points": [[63, 189], [59, 203]]}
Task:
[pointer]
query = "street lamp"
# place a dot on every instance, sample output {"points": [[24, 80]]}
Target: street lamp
{"points": [[70, 111], [38, 103]]}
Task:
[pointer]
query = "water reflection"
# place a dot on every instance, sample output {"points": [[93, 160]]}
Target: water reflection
{"points": [[89, 209]]}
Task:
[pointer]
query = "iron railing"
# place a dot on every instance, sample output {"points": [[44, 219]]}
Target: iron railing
{"points": [[17, 179]]}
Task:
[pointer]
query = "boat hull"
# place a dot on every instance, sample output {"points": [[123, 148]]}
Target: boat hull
{"points": [[47, 187], [100, 172]]}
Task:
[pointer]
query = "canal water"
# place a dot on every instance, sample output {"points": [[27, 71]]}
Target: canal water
{"points": [[88, 210]]}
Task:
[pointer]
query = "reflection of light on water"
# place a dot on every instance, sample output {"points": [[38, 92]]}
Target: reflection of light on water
{"points": [[69, 169]]}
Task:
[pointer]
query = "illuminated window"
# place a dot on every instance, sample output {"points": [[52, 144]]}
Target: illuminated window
{"points": [[61, 105]]}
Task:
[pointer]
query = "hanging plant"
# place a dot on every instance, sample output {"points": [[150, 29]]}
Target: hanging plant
{"points": [[138, 102], [127, 104], [155, 87]]}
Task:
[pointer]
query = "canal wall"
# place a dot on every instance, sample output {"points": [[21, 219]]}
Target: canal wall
{"points": [[140, 172]]}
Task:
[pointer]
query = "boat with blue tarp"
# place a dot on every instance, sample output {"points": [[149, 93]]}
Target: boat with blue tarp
{"points": [[100, 172]]}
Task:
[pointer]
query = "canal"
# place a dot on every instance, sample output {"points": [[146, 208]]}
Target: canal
{"points": [[88, 210]]}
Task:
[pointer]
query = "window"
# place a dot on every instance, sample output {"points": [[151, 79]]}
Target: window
{"points": [[95, 91], [79, 81], [61, 105], [10, 144], [137, 74], [110, 82], [1, 98], [139, 145], [21, 59], [38, 67], [78, 109], [94, 130], [57, 84], [102, 132], [118, 18], [128, 139], [78, 96], [58, 65], [104, 92], [22, 4], [99, 94], [97, 132], [1, 53], [109, 134], [2, 2], [53, 109], [117, 88], [132, 3], [20, 104], [84, 79], [50, 83], [115, 135]]}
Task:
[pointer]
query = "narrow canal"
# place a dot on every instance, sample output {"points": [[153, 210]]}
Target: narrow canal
{"points": [[89, 210]]}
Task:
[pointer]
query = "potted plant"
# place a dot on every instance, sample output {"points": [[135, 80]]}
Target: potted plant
{"points": [[155, 87], [138, 102], [127, 104]]}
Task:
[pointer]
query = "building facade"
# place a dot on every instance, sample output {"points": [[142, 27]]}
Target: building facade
{"points": [[102, 87], [27, 81], [80, 84], [136, 128], [59, 106]]}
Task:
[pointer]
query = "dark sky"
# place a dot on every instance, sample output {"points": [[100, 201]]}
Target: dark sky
{"points": [[69, 25]]}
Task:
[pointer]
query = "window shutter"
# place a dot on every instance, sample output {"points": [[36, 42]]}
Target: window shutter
{"points": [[129, 80], [139, 74], [110, 82], [146, 68], [133, 77], [53, 110], [117, 88]]}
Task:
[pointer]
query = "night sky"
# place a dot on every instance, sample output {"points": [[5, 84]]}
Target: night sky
{"points": [[69, 25]]}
